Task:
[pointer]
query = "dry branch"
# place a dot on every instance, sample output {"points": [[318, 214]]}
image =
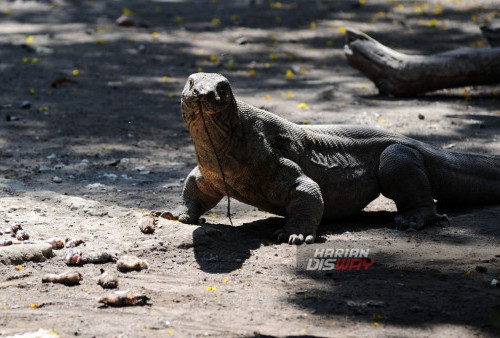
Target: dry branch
{"points": [[400, 74]]}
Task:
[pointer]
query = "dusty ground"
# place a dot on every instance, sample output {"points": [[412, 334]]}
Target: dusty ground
{"points": [[111, 131]]}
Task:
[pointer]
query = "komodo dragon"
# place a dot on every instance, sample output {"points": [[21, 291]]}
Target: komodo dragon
{"points": [[313, 172]]}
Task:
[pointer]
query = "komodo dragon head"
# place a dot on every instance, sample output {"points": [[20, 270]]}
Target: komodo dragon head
{"points": [[211, 114], [208, 94]]}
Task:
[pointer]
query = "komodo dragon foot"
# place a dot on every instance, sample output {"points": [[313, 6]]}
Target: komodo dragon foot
{"points": [[417, 219], [293, 236]]}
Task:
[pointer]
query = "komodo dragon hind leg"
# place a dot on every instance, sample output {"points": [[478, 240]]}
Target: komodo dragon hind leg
{"points": [[402, 178]]}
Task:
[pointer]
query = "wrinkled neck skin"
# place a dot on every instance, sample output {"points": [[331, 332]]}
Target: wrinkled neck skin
{"points": [[221, 123]]}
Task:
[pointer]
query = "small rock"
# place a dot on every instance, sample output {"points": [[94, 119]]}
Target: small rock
{"points": [[494, 282], [56, 179], [241, 40], [421, 117], [110, 176], [9, 118], [26, 104], [51, 156], [125, 21], [481, 269]]}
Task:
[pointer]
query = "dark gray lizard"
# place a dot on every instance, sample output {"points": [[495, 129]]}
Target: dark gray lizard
{"points": [[312, 172]]}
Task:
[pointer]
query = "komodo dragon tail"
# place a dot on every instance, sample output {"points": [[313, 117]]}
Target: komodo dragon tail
{"points": [[462, 178]]}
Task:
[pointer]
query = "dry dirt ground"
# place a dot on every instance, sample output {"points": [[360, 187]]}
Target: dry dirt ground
{"points": [[103, 141]]}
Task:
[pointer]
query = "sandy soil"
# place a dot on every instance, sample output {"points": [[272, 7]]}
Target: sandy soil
{"points": [[103, 141]]}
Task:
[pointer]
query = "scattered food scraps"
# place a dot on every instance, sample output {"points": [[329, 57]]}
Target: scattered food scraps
{"points": [[124, 298], [131, 263], [71, 243], [22, 235], [56, 243], [107, 280], [148, 222], [67, 278]]}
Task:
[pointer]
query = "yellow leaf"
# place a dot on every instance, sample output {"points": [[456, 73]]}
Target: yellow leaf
{"points": [[6, 12], [34, 306], [277, 19], [212, 214], [342, 30], [381, 121], [171, 95], [216, 21], [313, 25], [165, 78], [306, 122], [75, 72], [273, 57], [155, 35], [179, 19], [35, 60], [101, 41], [380, 14], [376, 323], [474, 17], [373, 19], [234, 18], [433, 23], [127, 11], [329, 43], [362, 2], [268, 97], [25, 60], [289, 74], [363, 87], [303, 105], [30, 39], [225, 281], [211, 288], [200, 69], [290, 94], [157, 9], [32, 91], [276, 5], [19, 267]]}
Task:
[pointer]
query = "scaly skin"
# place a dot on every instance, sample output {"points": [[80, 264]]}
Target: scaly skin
{"points": [[310, 173]]}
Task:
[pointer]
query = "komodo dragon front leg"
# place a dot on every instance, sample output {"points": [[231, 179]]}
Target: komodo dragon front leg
{"points": [[302, 202], [198, 197]]}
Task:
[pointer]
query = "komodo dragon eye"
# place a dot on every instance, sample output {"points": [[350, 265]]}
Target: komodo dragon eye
{"points": [[222, 91]]}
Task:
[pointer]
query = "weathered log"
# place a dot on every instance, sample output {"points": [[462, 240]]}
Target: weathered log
{"points": [[491, 31], [400, 74]]}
